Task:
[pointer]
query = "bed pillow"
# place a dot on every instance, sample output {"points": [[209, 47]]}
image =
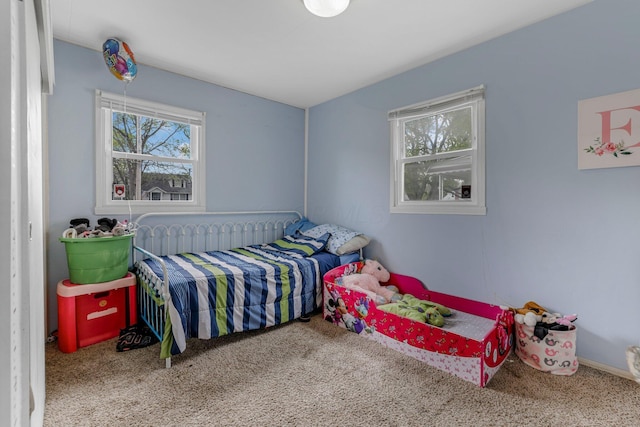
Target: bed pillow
{"points": [[352, 245], [342, 240], [300, 244], [303, 225]]}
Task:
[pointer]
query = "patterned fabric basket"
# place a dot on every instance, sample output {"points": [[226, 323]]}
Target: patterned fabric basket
{"points": [[555, 353]]}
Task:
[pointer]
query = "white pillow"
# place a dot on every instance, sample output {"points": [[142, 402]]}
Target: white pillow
{"points": [[342, 240]]}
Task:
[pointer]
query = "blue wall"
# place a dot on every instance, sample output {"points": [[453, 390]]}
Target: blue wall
{"points": [[563, 237], [254, 147]]}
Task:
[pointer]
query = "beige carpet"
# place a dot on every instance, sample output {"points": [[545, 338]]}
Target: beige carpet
{"points": [[315, 374]]}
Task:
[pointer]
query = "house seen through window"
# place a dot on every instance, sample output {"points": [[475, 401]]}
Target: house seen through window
{"points": [[150, 157]]}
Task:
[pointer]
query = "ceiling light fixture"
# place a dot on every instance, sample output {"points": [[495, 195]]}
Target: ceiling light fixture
{"points": [[326, 8]]}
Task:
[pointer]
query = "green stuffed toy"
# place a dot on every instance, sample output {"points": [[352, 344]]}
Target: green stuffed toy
{"points": [[418, 310]]}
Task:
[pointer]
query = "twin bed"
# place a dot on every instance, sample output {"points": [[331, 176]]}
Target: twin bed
{"points": [[208, 275]]}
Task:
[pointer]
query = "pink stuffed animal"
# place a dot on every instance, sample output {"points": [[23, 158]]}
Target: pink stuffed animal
{"points": [[368, 282]]}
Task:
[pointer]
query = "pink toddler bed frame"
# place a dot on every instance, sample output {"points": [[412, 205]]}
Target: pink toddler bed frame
{"points": [[473, 344]]}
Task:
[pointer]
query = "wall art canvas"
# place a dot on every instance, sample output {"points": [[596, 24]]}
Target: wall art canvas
{"points": [[609, 131]]}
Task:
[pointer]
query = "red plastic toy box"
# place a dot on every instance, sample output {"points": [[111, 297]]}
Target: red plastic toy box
{"points": [[91, 313]]}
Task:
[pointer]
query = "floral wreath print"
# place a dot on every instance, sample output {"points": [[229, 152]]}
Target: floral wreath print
{"points": [[600, 148]]}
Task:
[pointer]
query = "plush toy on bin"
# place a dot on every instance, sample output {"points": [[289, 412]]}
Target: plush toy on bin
{"points": [[529, 314], [99, 255], [534, 315]]}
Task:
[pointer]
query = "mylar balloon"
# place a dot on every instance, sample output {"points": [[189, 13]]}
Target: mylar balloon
{"points": [[119, 59]]}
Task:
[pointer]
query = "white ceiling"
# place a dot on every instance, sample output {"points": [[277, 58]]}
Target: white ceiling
{"points": [[277, 50]]}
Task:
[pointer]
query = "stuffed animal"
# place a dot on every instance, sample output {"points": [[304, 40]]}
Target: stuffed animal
{"points": [[418, 310], [368, 282], [559, 319], [530, 314]]}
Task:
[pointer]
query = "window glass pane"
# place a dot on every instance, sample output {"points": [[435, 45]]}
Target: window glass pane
{"points": [[150, 180], [157, 137], [441, 179], [164, 138], [416, 185], [438, 133], [124, 132]]}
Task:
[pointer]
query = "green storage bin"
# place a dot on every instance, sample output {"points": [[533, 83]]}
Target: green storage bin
{"points": [[97, 259]]}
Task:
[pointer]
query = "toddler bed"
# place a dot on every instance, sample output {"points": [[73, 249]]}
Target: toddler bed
{"points": [[207, 275], [474, 342]]}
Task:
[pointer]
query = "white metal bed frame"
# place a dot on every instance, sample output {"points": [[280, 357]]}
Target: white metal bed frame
{"points": [[210, 231]]}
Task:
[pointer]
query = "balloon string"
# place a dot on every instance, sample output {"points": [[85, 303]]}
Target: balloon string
{"points": [[125, 97]]}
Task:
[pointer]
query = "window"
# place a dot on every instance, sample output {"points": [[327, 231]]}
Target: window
{"points": [[438, 155], [149, 157]]}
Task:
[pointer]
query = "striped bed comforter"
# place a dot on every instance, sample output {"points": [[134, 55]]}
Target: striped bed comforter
{"points": [[220, 292]]}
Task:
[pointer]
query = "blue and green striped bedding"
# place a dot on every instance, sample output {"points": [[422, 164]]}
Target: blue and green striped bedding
{"points": [[221, 292]]}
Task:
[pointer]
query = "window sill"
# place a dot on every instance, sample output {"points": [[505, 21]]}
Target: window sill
{"points": [[440, 210], [125, 209]]}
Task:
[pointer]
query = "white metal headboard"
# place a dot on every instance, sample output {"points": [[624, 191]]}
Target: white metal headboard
{"points": [[171, 233]]}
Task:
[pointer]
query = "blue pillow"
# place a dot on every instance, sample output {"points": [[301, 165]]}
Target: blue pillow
{"points": [[303, 225], [300, 244]]}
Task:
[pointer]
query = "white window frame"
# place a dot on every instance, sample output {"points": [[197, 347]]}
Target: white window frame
{"points": [[106, 103], [473, 98]]}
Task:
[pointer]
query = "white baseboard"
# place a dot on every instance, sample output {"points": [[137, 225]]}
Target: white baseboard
{"points": [[606, 368]]}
